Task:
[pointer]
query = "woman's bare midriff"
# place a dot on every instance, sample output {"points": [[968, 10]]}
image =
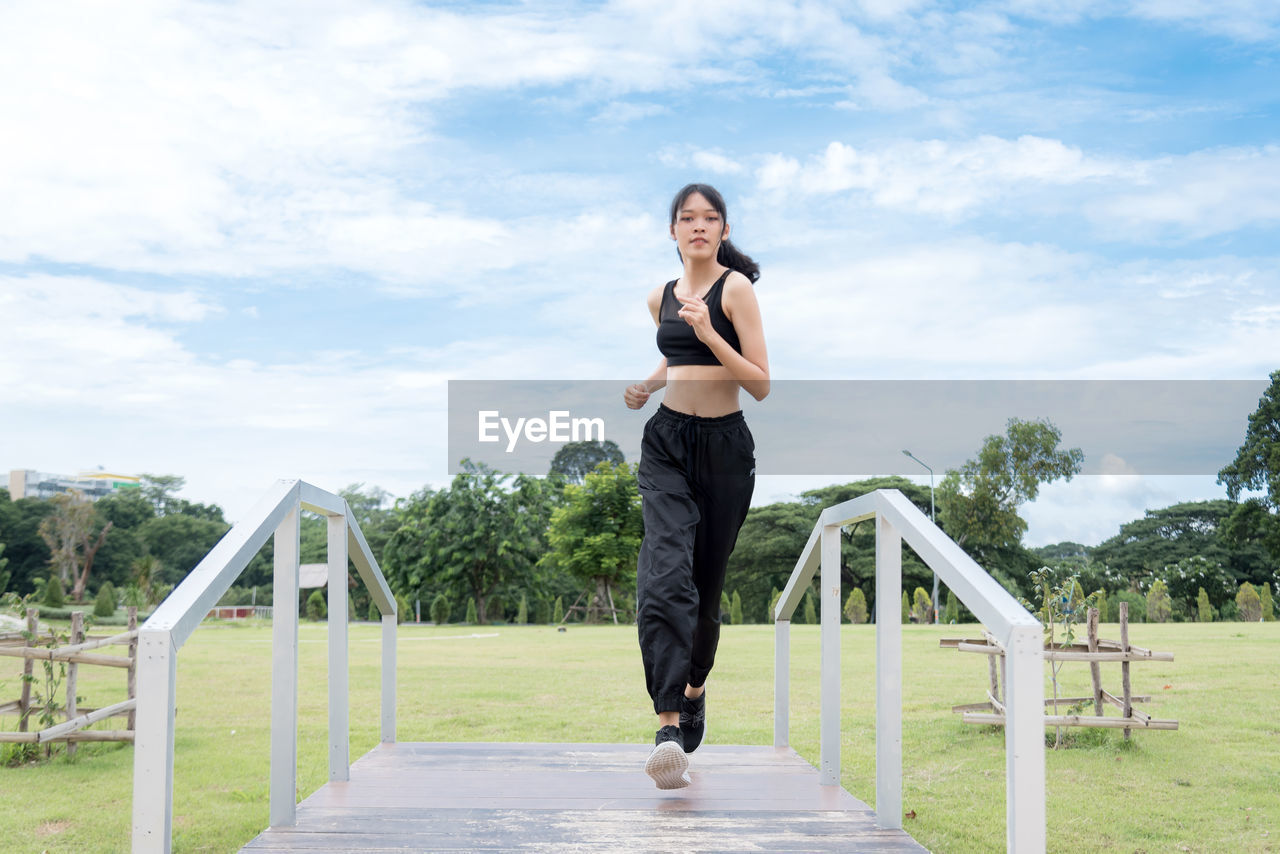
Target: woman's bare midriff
{"points": [[703, 390]]}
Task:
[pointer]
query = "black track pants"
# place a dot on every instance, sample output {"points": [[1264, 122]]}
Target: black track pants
{"points": [[696, 477]]}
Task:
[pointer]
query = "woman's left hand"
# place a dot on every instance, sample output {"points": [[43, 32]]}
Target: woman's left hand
{"points": [[695, 313]]}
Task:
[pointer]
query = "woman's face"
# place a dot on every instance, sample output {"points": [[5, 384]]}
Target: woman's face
{"points": [[698, 228]]}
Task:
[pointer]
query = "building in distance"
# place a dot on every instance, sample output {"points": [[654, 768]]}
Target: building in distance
{"points": [[26, 483]]}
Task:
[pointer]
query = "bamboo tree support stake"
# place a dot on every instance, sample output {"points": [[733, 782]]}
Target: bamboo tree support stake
{"points": [[73, 669], [1095, 669], [24, 709], [1124, 665], [133, 667]]}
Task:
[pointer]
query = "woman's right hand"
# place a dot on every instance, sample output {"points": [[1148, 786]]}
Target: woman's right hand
{"points": [[636, 396]]}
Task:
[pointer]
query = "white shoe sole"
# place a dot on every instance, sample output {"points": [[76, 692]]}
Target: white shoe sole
{"points": [[667, 765]]}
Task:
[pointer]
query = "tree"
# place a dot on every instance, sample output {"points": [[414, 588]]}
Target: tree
{"points": [[978, 503], [522, 611], [855, 607], [1188, 544], [575, 460], [1158, 602], [773, 604], [55, 597], [735, 609], [951, 615], [316, 607], [146, 574], [1204, 610], [595, 534], [4, 574], [557, 611], [478, 538], [74, 538], [179, 542], [920, 612], [440, 609], [1257, 468], [906, 608], [1249, 603], [104, 604], [1264, 601], [810, 612], [472, 618]]}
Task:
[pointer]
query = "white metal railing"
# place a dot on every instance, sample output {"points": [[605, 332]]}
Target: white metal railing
{"points": [[896, 520], [160, 638]]}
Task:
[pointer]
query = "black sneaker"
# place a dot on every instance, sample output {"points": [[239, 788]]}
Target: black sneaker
{"points": [[667, 764], [693, 721]]}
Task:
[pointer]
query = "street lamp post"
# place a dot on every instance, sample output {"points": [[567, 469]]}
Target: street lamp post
{"points": [[932, 518]]}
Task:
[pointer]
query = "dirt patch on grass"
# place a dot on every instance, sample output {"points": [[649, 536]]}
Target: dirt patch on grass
{"points": [[52, 828]]}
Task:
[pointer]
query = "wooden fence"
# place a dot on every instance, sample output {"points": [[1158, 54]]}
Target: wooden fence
{"points": [[31, 646]]}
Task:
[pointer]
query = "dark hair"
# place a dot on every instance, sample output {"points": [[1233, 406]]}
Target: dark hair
{"points": [[728, 255]]}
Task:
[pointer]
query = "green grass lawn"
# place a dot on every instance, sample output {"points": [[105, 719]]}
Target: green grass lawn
{"points": [[1211, 786]]}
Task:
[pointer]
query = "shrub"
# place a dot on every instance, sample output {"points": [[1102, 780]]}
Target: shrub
{"points": [[1204, 611], [316, 609], [1264, 596], [472, 618], [522, 612], [374, 615], [906, 608], [1159, 605], [54, 596], [773, 603], [725, 607], [403, 612], [1249, 603], [440, 609], [496, 610], [855, 607], [557, 611], [923, 606], [951, 614], [810, 612], [104, 605], [1137, 605], [735, 609], [541, 611]]}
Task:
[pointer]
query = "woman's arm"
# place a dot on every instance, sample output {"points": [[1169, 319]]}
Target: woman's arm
{"points": [[750, 367], [637, 394]]}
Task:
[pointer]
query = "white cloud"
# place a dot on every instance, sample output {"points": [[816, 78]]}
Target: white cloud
{"points": [[933, 176]]}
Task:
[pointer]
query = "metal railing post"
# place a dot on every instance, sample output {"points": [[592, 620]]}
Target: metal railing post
{"points": [[888, 676], [1024, 740], [339, 698], [284, 674], [829, 729], [388, 678], [781, 683], [153, 743]]}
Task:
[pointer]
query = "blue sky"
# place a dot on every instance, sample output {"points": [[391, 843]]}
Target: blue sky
{"points": [[249, 241]]}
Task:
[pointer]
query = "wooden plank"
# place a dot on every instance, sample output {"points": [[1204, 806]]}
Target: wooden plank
{"points": [[42, 654], [24, 713], [55, 732], [1069, 655], [1079, 720], [1127, 708], [77, 635], [131, 683], [579, 798]]}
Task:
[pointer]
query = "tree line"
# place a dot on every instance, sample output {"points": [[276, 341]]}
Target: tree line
{"points": [[492, 547]]}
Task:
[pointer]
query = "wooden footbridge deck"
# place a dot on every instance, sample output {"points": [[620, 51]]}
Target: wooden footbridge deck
{"points": [[579, 798]]}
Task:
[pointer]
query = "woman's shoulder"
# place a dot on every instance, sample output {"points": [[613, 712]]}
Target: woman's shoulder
{"points": [[737, 285]]}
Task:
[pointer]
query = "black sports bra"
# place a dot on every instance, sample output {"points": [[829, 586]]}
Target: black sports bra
{"points": [[676, 338]]}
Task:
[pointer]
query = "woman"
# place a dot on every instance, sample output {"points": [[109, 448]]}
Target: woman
{"points": [[697, 468]]}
